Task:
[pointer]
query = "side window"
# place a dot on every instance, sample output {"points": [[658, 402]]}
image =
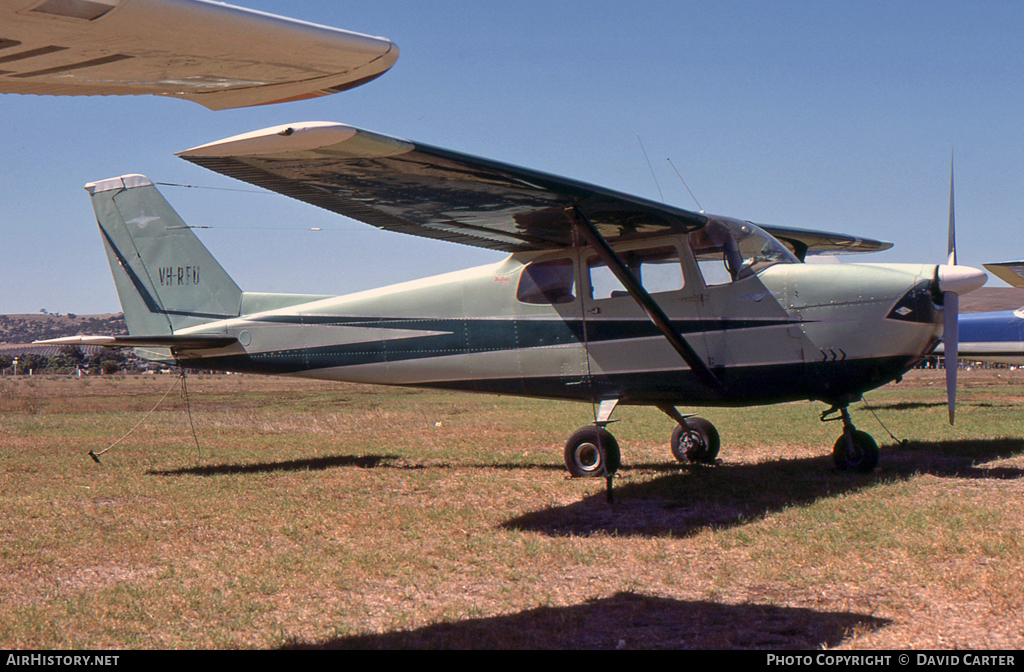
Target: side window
{"points": [[716, 255], [657, 269], [544, 282], [729, 251]]}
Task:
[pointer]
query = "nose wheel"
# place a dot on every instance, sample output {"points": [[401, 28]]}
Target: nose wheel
{"points": [[696, 441], [854, 450]]}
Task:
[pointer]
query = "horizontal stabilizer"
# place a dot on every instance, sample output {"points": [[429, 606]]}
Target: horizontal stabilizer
{"points": [[184, 342]]}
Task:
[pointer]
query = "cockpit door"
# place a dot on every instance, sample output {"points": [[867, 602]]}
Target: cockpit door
{"points": [[627, 351], [743, 298]]}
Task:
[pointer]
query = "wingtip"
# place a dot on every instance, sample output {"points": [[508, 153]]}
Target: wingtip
{"points": [[296, 137]]}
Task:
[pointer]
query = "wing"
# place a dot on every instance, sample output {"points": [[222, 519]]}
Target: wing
{"points": [[1010, 272], [211, 53], [804, 241], [427, 191]]}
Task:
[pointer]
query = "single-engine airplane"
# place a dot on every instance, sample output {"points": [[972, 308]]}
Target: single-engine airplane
{"points": [[605, 297], [211, 53]]}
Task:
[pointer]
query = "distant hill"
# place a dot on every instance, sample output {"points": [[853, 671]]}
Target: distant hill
{"points": [[32, 327]]}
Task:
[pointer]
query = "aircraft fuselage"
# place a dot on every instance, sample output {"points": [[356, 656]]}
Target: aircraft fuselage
{"points": [[791, 331]]}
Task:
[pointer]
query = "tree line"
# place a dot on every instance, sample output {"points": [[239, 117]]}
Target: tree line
{"points": [[70, 359]]}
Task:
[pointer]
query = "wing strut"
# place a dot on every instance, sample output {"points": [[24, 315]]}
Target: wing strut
{"points": [[594, 239]]}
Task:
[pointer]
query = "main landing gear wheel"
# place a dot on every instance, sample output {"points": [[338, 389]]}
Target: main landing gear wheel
{"points": [[697, 442], [591, 452], [860, 454]]}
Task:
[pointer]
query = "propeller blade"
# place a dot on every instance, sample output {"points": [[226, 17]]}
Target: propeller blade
{"points": [[951, 342], [951, 312], [951, 247]]}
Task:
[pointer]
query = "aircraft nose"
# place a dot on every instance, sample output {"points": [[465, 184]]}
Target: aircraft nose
{"points": [[959, 279]]}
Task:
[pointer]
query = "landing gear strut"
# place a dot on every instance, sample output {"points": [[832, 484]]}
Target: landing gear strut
{"points": [[854, 450]]}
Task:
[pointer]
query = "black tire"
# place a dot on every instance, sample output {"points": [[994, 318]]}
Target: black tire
{"points": [[591, 452], [698, 442], [863, 458]]}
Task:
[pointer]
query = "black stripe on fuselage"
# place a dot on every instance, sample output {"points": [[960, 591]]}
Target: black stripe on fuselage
{"points": [[456, 337], [502, 334], [750, 384]]}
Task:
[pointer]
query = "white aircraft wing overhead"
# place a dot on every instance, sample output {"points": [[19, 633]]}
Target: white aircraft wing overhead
{"points": [[211, 53], [414, 188]]}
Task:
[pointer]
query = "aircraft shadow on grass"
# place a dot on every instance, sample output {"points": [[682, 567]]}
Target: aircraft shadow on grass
{"points": [[341, 462], [312, 464], [909, 405], [915, 405], [695, 498], [628, 620]]}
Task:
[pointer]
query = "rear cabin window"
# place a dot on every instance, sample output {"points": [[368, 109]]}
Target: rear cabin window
{"points": [[544, 282], [657, 269]]}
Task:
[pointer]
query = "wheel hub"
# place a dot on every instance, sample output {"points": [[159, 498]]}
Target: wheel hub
{"points": [[588, 457]]}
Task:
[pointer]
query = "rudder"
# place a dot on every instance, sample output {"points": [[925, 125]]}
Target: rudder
{"points": [[166, 278]]}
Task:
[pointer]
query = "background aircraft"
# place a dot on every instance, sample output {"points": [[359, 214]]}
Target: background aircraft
{"points": [[995, 336], [988, 336], [213, 54], [606, 297]]}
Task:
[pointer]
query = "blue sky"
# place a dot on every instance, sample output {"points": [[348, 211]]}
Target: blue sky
{"points": [[817, 114]]}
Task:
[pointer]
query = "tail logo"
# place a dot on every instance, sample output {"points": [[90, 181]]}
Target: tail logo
{"points": [[142, 220]]}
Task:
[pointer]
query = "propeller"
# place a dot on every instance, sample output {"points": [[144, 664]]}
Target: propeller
{"points": [[953, 280]]}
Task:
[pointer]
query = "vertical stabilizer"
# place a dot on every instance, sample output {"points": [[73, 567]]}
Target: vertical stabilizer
{"points": [[166, 279]]}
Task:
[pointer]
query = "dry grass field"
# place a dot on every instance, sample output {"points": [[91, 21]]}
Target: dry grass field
{"points": [[336, 516]]}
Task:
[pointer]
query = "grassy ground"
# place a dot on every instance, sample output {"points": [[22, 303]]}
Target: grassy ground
{"points": [[317, 515]]}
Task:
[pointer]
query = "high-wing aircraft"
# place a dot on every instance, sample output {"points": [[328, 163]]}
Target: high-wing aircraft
{"points": [[604, 298], [211, 53]]}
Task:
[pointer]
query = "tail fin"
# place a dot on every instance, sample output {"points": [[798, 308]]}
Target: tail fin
{"points": [[166, 279]]}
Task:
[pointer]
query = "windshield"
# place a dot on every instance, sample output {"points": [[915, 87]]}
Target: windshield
{"points": [[729, 250]]}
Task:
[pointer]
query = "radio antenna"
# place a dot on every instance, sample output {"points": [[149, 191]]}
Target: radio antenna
{"points": [[650, 167], [684, 184]]}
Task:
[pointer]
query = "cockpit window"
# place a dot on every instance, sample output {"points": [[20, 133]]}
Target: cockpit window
{"points": [[727, 251], [545, 282]]}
